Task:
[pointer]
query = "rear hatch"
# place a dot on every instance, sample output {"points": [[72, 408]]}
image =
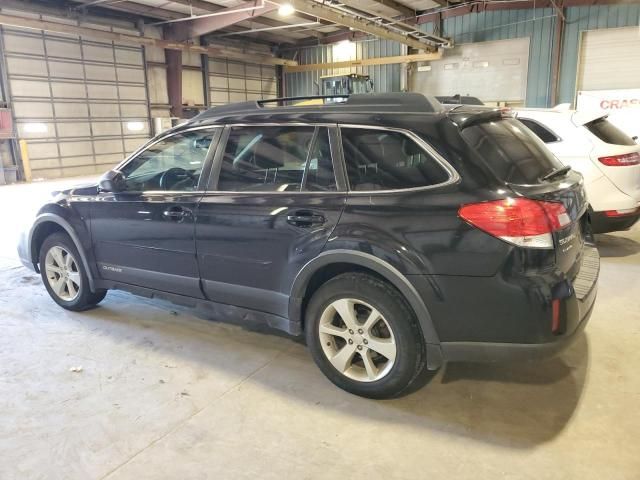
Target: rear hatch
{"points": [[529, 170], [614, 152]]}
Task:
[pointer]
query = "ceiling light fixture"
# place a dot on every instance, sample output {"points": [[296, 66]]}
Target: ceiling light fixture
{"points": [[286, 10]]}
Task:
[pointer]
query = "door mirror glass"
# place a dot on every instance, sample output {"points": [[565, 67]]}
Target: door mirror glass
{"points": [[112, 181]]}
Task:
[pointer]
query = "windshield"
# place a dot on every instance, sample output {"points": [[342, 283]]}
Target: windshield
{"points": [[511, 151]]}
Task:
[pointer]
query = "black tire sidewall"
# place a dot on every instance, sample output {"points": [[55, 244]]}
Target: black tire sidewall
{"points": [[85, 299], [410, 355]]}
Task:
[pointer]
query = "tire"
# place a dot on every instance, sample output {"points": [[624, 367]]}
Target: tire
{"points": [[60, 266], [328, 335]]}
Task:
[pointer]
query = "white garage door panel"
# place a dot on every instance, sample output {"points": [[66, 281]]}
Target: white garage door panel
{"points": [[88, 98], [609, 59], [492, 71], [231, 81]]}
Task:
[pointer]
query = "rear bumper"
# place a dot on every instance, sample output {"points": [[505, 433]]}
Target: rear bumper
{"points": [[510, 352], [601, 223], [577, 307]]}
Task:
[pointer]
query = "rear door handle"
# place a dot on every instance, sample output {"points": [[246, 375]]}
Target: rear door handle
{"points": [[176, 214], [303, 219]]}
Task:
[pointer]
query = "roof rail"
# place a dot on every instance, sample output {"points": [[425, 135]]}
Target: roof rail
{"points": [[282, 100], [396, 102]]}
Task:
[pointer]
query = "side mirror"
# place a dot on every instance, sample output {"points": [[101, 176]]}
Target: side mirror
{"points": [[112, 181]]}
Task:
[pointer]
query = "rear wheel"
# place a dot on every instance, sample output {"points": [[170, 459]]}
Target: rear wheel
{"points": [[364, 336], [64, 276]]}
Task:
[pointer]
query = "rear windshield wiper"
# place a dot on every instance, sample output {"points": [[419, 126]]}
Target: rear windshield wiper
{"points": [[556, 173]]}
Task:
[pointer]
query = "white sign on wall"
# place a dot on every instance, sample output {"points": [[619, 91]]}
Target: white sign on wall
{"points": [[623, 107]]}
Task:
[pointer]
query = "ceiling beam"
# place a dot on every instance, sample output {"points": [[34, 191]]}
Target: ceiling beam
{"points": [[56, 27], [132, 7], [322, 11], [418, 57], [221, 19], [397, 6], [199, 4]]}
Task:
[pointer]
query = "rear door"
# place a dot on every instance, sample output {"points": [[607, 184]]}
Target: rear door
{"points": [[272, 203], [520, 159]]}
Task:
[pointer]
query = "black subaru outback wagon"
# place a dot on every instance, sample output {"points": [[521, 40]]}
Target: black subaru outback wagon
{"points": [[394, 235]]}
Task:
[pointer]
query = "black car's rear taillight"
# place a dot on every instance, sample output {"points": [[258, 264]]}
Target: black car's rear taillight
{"points": [[519, 221]]}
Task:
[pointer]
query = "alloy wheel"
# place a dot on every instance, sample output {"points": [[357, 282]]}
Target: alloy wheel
{"points": [[62, 273], [357, 340]]}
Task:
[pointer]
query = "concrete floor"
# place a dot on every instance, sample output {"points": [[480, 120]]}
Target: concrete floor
{"points": [[166, 394]]}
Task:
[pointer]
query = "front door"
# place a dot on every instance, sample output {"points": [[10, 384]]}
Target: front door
{"points": [[144, 235], [271, 207]]}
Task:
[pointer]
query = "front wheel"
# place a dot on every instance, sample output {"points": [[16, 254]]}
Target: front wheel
{"points": [[364, 336], [64, 276]]}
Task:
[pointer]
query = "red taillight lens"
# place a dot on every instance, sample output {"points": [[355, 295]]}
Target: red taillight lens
{"points": [[622, 213], [520, 221], [621, 160], [555, 315]]}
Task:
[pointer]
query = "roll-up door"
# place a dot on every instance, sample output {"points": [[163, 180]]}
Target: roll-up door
{"points": [[81, 105], [231, 81], [609, 59]]}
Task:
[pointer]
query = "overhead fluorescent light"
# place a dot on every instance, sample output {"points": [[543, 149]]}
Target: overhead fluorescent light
{"points": [[286, 10]]}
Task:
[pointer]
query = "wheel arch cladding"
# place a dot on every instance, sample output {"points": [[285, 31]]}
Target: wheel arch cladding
{"points": [[334, 262], [47, 224]]}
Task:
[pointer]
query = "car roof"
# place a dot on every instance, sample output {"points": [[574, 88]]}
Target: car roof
{"points": [[285, 109]]}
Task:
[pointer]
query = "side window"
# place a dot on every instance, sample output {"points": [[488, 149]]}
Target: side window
{"points": [[543, 133], [174, 163], [274, 159], [320, 176], [387, 160]]}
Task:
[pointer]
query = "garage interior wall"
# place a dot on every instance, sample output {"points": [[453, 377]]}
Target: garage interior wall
{"points": [[386, 77], [537, 24], [156, 77], [82, 105], [233, 81], [582, 19]]}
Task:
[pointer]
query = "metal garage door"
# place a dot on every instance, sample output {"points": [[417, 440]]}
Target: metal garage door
{"points": [[609, 59], [492, 71], [231, 81], [81, 105]]}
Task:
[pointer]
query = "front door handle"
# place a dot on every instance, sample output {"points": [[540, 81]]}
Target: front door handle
{"points": [[305, 219], [176, 214]]}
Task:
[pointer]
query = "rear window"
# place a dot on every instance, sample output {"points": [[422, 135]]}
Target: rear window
{"points": [[543, 133], [608, 132], [387, 160], [512, 152]]}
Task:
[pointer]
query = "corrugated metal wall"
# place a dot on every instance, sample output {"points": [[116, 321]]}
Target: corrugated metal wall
{"points": [[538, 24], [580, 19]]}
